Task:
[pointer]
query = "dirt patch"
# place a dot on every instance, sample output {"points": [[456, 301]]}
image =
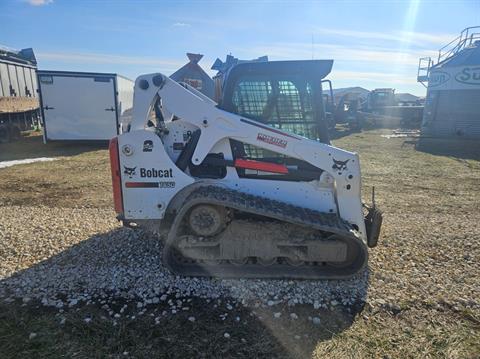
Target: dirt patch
{"points": [[30, 145], [57, 185], [79, 177]]}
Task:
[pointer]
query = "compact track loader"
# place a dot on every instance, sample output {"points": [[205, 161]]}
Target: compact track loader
{"points": [[239, 188]]}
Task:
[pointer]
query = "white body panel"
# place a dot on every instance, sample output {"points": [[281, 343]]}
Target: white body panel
{"points": [[151, 202], [337, 192], [147, 203], [83, 106]]}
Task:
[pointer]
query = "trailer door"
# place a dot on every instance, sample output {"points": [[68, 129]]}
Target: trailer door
{"points": [[78, 107]]}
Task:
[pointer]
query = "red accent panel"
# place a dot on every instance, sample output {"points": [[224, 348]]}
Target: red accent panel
{"points": [[116, 179], [261, 166], [141, 184]]}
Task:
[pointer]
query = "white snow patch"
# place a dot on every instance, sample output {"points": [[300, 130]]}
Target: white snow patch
{"points": [[4, 164]]}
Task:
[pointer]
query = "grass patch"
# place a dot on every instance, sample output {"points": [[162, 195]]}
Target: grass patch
{"points": [[250, 334]]}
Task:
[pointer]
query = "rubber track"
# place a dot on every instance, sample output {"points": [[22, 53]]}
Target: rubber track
{"points": [[327, 222]]}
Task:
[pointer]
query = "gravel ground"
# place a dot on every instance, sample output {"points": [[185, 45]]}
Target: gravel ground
{"points": [[62, 256], [73, 263]]}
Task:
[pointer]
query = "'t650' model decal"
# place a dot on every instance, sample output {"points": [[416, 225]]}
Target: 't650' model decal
{"points": [[162, 184]]}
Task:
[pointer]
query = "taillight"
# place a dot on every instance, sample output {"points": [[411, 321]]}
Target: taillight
{"points": [[116, 177]]}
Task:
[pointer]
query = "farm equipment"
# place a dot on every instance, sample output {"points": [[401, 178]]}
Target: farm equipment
{"points": [[383, 109], [378, 99], [238, 188], [347, 111], [379, 108]]}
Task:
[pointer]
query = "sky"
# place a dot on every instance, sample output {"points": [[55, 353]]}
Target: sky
{"points": [[373, 43]]}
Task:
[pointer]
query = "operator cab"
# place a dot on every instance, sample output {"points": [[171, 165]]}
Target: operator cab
{"points": [[286, 95]]}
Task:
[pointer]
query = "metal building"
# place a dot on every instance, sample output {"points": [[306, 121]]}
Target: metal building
{"points": [[194, 75], [452, 106], [18, 92]]}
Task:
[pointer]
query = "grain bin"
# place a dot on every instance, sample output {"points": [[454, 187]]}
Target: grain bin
{"points": [[452, 110]]}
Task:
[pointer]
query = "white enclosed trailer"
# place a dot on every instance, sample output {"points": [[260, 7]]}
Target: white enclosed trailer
{"points": [[82, 105]]}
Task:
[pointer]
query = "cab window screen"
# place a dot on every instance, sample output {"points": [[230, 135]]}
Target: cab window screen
{"points": [[251, 98], [283, 104]]}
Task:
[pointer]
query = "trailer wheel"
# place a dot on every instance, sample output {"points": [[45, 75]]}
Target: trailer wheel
{"points": [[4, 134]]}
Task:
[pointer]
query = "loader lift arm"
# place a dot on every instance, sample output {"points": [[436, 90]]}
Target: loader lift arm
{"points": [[216, 124]]}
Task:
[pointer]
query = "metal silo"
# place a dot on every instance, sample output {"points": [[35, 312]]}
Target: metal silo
{"points": [[452, 107]]}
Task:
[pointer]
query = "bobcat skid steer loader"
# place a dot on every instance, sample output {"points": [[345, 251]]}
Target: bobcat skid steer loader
{"points": [[239, 197]]}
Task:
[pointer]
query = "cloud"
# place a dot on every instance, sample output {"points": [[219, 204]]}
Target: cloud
{"points": [[363, 54], [39, 2], [181, 24], [415, 38], [356, 65], [213, 23], [96, 58]]}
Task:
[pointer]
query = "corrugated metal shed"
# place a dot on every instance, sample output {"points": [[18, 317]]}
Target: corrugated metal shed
{"points": [[194, 75]]}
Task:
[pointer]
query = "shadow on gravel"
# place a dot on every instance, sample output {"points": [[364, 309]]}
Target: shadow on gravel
{"points": [[110, 325], [33, 147], [459, 149]]}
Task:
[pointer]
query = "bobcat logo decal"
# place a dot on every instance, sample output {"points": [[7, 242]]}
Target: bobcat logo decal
{"points": [[129, 171], [339, 165]]}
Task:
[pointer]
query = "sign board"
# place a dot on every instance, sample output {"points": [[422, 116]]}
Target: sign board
{"points": [[454, 78]]}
